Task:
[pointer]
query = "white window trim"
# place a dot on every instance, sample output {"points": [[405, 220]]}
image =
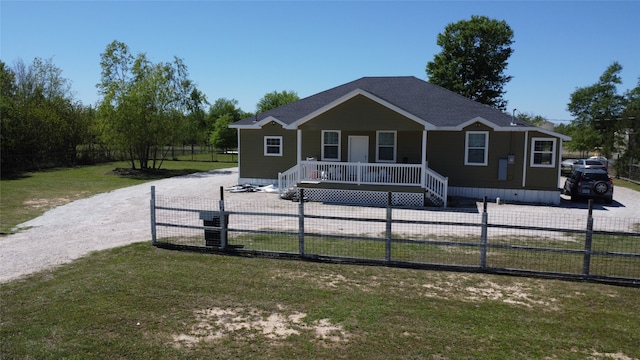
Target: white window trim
{"points": [[339, 145], [533, 152], [395, 145], [266, 138], [486, 148]]}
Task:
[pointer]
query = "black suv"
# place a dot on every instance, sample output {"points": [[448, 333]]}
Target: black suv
{"points": [[589, 183]]}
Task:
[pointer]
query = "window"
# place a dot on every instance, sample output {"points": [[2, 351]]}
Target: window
{"points": [[331, 145], [476, 148], [273, 146], [543, 152], [386, 146]]}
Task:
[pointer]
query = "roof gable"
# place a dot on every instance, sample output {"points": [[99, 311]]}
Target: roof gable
{"points": [[351, 95]]}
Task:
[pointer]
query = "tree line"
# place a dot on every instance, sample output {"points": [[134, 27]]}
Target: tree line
{"points": [[146, 106]]}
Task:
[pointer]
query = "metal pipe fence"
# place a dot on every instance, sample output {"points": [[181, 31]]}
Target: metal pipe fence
{"points": [[582, 246]]}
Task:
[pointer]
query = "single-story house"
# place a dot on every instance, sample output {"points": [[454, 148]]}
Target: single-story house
{"points": [[358, 141]]}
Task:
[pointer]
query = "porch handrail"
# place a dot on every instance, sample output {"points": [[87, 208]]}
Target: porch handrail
{"points": [[361, 173], [288, 178], [436, 185]]}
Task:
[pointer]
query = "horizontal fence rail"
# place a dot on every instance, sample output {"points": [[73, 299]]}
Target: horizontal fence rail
{"points": [[578, 247]]}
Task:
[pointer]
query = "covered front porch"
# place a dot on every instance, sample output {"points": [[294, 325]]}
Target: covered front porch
{"points": [[343, 177]]}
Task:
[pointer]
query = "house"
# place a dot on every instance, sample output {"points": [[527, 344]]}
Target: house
{"points": [[358, 141]]}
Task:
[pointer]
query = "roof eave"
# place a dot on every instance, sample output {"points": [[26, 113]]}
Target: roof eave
{"points": [[516, 127], [259, 124]]}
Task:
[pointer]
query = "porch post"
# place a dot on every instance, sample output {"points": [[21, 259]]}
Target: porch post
{"points": [[424, 159], [558, 156], [299, 146]]}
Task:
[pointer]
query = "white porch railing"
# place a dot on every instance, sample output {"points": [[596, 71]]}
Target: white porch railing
{"points": [[436, 186], [288, 179], [360, 173], [367, 174]]}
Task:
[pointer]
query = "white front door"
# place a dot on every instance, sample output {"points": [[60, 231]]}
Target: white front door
{"points": [[358, 149]]}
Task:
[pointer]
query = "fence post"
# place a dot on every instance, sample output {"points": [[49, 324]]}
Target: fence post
{"points": [[483, 236], [301, 222], [152, 207], [586, 265], [223, 222], [388, 229]]}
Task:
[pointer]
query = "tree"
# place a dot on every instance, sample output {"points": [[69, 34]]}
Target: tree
{"points": [[144, 104], [41, 123], [631, 121], [473, 59], [630, 128], [535, 120], [196, 120], [275, 99], [222, 114], [599, 106], [582, 137], [223, 137], [8, 122]]}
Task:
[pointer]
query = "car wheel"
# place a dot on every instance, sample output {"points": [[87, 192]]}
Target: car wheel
{"points": [[601, 187]]}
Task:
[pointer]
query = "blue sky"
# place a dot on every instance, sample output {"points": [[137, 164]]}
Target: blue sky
{"points": [[242, 49]]}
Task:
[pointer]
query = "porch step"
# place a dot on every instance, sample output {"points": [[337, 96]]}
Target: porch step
{"points": [[431, 200]]}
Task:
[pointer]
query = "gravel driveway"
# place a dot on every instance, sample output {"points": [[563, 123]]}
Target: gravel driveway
{"points": [[121, 217]]}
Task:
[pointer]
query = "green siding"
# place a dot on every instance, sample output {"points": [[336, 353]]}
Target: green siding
{"points": [[445, 154], [253, 163], [538, 177], [361, 116], [409, 145], [358, 114]]}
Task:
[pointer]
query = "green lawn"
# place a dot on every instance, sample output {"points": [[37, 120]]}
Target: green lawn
{"points": [[141, 302], [29, 195], [506, 252], [626, 184]]}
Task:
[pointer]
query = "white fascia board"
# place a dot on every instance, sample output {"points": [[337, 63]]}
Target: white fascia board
{"points": [[353, 94], [469, 122], [259, 124], [547, 132], [514, 128], [517, 128]]}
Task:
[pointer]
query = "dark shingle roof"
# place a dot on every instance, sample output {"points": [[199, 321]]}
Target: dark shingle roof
{"points": [[431, 103]]}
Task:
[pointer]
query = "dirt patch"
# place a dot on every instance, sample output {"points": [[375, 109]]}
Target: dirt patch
{"points": [[452, 286], [218, 323], [46, 203], [455, 287], [616, 356]]}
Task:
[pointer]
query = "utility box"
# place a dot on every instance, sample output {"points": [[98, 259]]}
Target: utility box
{"points": [[213, 237], [502, 169]]}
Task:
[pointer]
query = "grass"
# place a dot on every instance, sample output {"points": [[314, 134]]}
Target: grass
{"points": [[29, 195], [626, 184], [504, 252], [141, 302]]}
